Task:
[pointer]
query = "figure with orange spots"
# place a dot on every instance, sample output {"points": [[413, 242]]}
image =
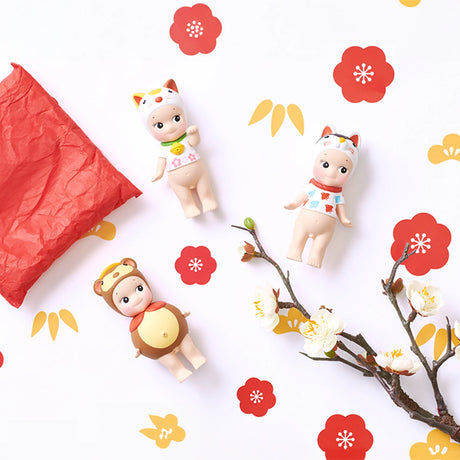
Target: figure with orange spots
{"points": [[322, 200]]}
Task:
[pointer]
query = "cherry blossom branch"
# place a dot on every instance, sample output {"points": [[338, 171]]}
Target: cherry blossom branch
{"points": [[449, 352], [339, 359]]}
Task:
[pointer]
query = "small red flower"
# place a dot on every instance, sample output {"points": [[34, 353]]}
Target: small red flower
{"points": [[363, 74], [1, 359], [345, 437], [195, 29], [429, 239], [195, 265], [256, 397]]}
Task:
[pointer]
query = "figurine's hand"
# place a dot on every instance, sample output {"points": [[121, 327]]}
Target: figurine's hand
{"points": [[157, 177], [185, 314], [346, 223], [291, 206], [192, 130], [138, 353]]}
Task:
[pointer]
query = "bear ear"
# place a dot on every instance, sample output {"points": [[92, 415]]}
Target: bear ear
{"points": [[356, 139], [128, 261], [97, 286], [328, 130], [138, 98], [171, 84]]}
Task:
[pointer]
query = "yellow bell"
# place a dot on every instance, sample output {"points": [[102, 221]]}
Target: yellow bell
{"points": [[177, 148]]}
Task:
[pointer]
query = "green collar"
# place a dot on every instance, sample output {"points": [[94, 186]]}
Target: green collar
{"points": [[165, 144]]}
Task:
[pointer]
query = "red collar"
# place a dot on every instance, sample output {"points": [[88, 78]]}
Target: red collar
{"points": [[137, 320], [328, 188]]}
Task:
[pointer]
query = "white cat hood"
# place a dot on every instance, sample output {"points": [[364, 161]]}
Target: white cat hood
{"points": [[346, 144], [147, 103]]}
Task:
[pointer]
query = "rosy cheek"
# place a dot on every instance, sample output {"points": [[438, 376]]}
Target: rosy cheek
{"points": [[318, 171]]}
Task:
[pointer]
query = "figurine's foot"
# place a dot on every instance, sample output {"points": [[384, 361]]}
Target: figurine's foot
{"points": [[182, 374], [192, 211], [198, 361], [209, 205], [314, 262], [296, 257]]}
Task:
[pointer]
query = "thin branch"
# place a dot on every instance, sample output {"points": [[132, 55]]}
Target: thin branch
{"points": [[339, 359], [449, 352]]}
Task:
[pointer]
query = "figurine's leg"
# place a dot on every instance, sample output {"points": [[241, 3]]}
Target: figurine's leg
{"points": [[299, 239], [173, 363], [318, 249], [205, 193], [191, 352], [186, 200]]}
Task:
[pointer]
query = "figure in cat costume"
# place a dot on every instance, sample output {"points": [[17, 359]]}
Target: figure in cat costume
{"points": [[162, 112], [158, 330], [322, 199]]}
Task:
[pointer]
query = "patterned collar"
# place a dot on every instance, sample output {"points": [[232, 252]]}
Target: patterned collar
{"points": [[328, 188]]}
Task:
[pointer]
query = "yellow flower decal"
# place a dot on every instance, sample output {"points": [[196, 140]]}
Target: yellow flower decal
{"points": [[291, 322], [440, 340], [166, 430], [177, 148], [410, 3], [278, 115], [53, 322], [438, 446], [105, 230], [449, 150]]}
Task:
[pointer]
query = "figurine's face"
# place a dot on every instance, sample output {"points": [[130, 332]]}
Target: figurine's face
{"points": [[167, 123], [132, 296], [332, 168]]}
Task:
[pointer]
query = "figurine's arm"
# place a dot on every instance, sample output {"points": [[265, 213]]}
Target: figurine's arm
{"points": [[187, 313], [138, 353], [298, 200], [193, 136], [161, 166], [344, 220]]}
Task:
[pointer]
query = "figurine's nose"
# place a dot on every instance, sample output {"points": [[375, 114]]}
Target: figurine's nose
{"points": [[158, 99]]}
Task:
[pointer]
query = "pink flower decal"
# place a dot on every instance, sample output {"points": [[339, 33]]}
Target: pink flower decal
{"points": [[192, 157], [345, 437], [195, 29], [195, 265], [176, 162], [256, 397], [427, 238], [363, 74]]}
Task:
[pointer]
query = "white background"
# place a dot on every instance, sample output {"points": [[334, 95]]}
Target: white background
{"points": [[83, 395]]}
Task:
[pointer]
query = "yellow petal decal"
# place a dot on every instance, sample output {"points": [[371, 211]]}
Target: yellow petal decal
{"points": [[104, 229], [68, 319], [53, 323], [166, 430], [440, 343], [39, 321], [277, 118], [296, 116], [262, 110], [290, 323], [425, 334]]}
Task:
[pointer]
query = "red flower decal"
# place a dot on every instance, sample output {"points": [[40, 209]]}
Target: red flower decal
{"points": [[256, 397], [195, 29], [1, 359], [363, 74], [195, 265], [429, 239], [345, 437]]}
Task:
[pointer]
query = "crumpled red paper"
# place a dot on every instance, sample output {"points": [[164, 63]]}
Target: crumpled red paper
{"points": [[55, 184]]}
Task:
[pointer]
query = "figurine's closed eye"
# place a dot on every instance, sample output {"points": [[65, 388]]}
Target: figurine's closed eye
{"points": [[139, 288], [158, 125], [144, 101], [169, 91], [326, 137], [125, 300], [177, 118]]}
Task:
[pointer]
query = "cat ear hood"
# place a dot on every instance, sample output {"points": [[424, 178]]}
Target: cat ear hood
{"points": [[147, 103], [346, 144]]}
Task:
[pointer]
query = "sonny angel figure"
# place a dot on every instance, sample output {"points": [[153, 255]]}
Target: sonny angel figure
{"points": [[322, 200], [162, 111]]}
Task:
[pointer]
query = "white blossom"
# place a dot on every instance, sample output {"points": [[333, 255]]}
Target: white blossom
{"points": [[425, 300], [399, 361], [266, 307]]}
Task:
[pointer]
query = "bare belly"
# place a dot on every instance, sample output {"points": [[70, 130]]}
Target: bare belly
{"points": [[314, 223], [188, 175]]}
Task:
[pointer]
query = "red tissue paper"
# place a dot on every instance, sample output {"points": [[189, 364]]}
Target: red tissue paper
{"points": [[55, 184]]}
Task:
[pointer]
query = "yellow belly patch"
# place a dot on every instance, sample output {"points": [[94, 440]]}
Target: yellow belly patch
{"points": [[159, 328]]}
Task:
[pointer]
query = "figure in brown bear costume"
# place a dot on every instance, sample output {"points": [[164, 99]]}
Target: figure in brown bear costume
{"points": [[158, 330]]}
